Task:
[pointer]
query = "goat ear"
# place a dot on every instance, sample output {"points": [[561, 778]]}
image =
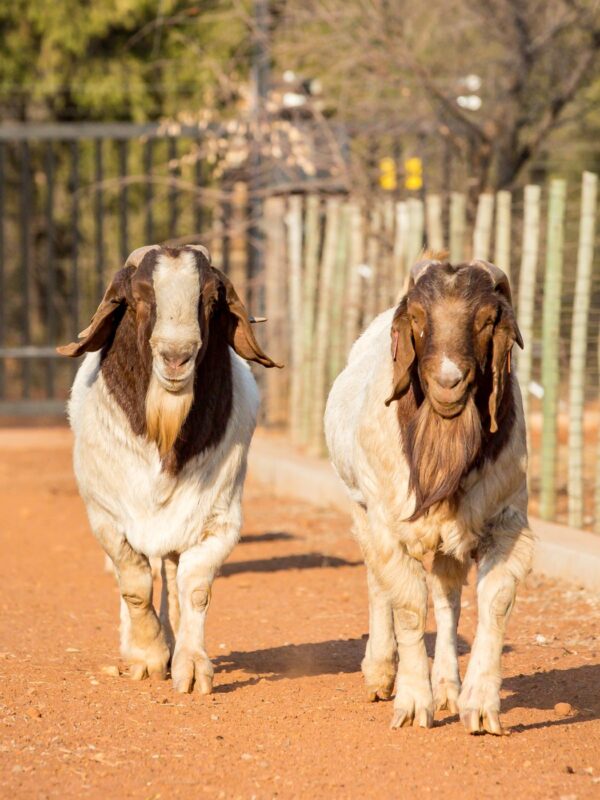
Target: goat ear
{"points": [[506, 333], [240, 334], [403, 352], [105, 319]]}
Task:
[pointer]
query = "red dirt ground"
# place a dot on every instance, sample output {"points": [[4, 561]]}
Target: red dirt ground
{"points": [[286, 633]]}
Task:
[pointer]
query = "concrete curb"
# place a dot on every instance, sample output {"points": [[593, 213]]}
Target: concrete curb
{"points": [[561, 552]]}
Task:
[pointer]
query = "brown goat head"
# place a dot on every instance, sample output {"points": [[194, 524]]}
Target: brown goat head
{"points": [[452, 335], [168, 303]]}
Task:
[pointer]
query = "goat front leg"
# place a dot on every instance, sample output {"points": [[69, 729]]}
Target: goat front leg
{"points": [[447, 578], [505, 560], [197, 569], [413, 703], [143, 643]]}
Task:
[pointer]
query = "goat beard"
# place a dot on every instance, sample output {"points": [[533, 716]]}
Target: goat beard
{"points": [[440, 453], [166, 413]]}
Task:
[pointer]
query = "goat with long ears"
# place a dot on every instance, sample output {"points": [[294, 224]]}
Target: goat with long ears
{"points": [[163, 409], [429, 437]]}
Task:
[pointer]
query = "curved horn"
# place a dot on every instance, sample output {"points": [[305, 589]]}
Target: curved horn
{"points": [[201, 249], [501, 284], [134, 259], [420, 268], [498, 276]]}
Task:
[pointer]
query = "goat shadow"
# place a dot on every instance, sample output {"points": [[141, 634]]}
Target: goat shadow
{"points": [[294, 561], [308, 659], [542, 690], [268, 536]]}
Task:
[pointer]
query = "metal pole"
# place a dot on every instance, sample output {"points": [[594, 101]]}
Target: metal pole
{"points": [[258, 178]]}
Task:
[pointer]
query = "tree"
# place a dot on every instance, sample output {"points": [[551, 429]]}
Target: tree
{"points": [[399, 69], [119, 59]]}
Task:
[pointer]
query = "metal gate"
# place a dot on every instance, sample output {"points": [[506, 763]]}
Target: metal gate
{"points": [[75, 199]]}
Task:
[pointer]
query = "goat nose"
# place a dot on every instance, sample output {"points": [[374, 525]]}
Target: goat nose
{"points": [[175, 359], [450, 374]]}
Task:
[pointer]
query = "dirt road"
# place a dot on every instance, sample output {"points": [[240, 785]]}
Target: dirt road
{"points": [[286, 633]]}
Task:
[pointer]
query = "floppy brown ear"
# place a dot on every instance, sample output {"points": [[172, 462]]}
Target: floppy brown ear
{"points": [[403, 352], [105, 319], [240, 334], [505, 335]]}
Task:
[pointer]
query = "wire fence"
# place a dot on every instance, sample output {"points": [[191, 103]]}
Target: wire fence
{"points": [[333, 263], [73, 203]]}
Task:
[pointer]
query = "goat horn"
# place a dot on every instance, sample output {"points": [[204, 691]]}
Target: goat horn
{"points": [[498, 276], [135, 258], [420, 268], [201, 249]]}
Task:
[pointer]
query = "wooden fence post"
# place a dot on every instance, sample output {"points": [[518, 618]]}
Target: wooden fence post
{"points": [[373, 253], [550, 345], [276, 304], [312, 241], [579, 331], [321, 345], [338, 300], [415, 231], [433, 213], [482, 234], [355, 279], [526, 296], [294, 226], [502, 243], [400, 246], [458, 212]]}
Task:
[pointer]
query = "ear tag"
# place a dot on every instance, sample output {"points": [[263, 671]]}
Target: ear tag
{"points": [[421, 334], [394, 345], [509, 360]]}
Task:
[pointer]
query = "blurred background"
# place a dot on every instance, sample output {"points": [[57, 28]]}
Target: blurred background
{"points": [[315, 147]]}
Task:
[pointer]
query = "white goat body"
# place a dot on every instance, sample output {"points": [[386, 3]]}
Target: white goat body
{"points": [[488, 517]]}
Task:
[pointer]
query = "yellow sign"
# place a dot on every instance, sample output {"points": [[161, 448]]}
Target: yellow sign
{"points": [[387, 174], [413, 168]]}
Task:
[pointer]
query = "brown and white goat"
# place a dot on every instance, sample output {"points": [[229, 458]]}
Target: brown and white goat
{"points": [[430, 442], [163, 409]]}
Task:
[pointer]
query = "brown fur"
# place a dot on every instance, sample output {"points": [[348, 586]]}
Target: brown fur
{"points": [[442, 451], [185, 430], [185, 424]]}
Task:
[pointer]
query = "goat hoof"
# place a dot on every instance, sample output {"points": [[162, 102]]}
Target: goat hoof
{"points": [[138, 672], [205, 684], [379, 678], [375, 693], [421, 718], [482, 722], [400, 719], [189, 670], [445, 696]]}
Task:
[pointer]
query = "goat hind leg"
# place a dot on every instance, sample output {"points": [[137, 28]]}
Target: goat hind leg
{"points": [[379, 665], [447, 578]]}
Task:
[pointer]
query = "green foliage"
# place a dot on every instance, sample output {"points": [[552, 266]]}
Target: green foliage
{"points": [[119, 59]]}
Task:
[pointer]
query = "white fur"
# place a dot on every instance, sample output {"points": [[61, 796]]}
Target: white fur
{"points": [[177, 290], [120, 474], [138, 511], [363, 437], [449, 371]]}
